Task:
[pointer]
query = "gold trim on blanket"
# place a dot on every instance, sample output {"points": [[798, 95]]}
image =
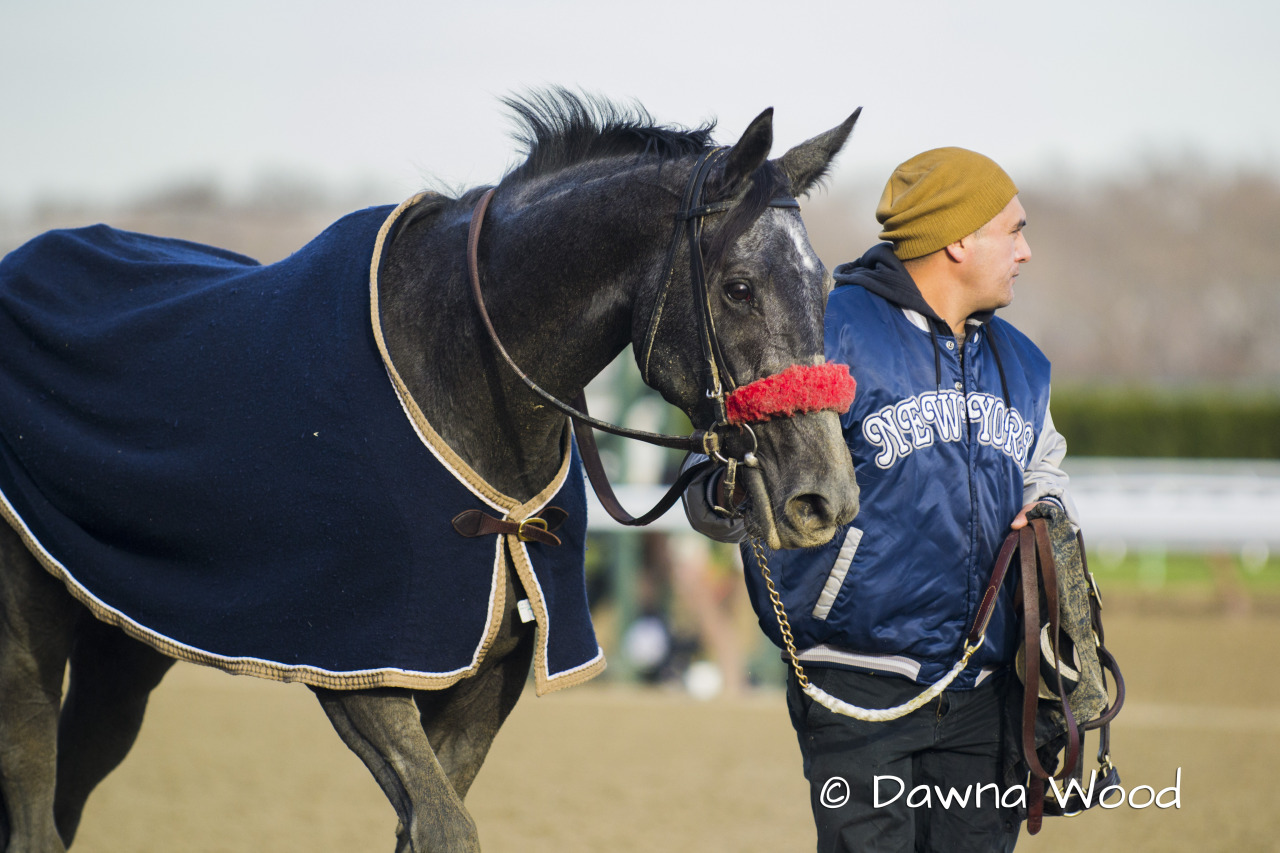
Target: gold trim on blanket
{"points": [[256, 667], [544, 682], [387, 677]]}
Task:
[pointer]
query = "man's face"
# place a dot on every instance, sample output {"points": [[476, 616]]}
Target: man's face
{"points": [[996, 253]]}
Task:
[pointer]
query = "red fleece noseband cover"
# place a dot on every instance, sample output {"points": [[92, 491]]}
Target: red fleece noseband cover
{"points": [[794, 391]]}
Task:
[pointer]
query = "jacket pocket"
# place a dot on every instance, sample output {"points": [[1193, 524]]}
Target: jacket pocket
{"points": [[835, 579]]}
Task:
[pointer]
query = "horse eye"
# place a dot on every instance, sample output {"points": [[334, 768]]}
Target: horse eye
{"points": [[739, 291]]}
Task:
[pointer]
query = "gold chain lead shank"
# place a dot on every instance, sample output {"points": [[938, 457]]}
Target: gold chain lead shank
{"points": [[783, 624]]}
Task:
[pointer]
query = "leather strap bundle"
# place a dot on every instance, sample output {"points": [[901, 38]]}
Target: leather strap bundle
{"points": [[1064, 677]]}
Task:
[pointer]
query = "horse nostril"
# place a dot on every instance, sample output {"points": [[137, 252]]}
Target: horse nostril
{"points": [[809, 512]]}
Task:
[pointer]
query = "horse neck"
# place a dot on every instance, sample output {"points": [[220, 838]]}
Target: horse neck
{"points": [[559, 273]]}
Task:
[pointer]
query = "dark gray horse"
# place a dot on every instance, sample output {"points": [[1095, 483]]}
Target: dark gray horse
{"points": [[575, 252]]}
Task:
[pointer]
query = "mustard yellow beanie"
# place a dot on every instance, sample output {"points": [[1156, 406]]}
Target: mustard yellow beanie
{"points": [[937, 197]]}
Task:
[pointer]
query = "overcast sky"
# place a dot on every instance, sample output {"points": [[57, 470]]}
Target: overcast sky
{"points": [[107, 100]]}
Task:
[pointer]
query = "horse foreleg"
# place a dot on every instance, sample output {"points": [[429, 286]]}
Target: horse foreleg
{"points": [[462, 721], [112, 675], [37, 618], [383, 728]]}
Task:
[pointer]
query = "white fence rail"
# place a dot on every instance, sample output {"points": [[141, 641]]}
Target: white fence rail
{"points": [[1173, 505], [1179, 505]]}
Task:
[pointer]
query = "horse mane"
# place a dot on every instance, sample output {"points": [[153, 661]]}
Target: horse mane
{"points": [[559, 128]]}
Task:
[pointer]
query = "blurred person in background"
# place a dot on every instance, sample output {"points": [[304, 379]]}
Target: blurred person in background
{"points": [[952, 442]]}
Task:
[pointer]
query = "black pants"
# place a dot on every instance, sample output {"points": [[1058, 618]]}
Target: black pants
{"points": [[952, 745]]}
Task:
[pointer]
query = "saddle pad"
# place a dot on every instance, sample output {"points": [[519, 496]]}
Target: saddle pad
{"points": [[212, 455]]}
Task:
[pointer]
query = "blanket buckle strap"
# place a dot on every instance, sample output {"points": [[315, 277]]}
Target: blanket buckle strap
{"points": [[474, 522], [525, 535]]}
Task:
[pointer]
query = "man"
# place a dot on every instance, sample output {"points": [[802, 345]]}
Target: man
{"points": [[952, 442]]}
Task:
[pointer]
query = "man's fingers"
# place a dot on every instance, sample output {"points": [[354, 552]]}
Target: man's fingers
{"points": [[1020, 521]]}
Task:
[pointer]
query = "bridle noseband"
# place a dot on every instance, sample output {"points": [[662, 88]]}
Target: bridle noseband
{"points": [[710, 442]]}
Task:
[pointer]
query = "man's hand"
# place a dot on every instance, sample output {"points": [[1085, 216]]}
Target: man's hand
{"points": [[1021, 520]]}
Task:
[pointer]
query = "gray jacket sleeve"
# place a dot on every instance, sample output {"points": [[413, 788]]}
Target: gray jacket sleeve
{"points": [[699, 498], [1044, 477]]}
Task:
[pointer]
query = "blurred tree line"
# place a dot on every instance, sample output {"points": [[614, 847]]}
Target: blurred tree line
{"points": [[1156, 296], [1169, 278]]}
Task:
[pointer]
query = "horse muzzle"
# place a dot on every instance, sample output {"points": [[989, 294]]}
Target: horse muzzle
{"points": [[804, 489]]}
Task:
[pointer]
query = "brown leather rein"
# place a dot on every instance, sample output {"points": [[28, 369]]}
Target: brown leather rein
{"points": [[709, 442]]}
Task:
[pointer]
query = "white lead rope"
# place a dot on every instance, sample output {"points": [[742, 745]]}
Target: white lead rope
{"points": [[883, 715], [839, 706]]}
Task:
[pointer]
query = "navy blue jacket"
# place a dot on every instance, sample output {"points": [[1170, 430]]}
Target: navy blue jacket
{"points": [[947, 450]]}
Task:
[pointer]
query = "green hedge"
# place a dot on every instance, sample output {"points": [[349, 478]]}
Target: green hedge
{"points": [[1200, 424]]}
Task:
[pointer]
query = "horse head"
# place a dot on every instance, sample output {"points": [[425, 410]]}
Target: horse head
{"points": [[764, 294], [617, 231]]}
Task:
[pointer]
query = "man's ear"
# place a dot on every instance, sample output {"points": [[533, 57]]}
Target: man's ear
{"points": [[958, 250]]}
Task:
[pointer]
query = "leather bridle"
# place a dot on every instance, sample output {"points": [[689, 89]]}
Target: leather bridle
{"points": [[713, 442], [692, 213]]}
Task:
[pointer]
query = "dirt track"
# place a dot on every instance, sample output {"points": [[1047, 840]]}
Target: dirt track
{"points": [[237, 764]]}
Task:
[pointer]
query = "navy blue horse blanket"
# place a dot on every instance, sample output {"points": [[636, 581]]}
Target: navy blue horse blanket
{"points": [[220, 458]]}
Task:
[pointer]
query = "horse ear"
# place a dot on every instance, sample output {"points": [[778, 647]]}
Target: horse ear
{"points": [[750, 152], [808, 162]]}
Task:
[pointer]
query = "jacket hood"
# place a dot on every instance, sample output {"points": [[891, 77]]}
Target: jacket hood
{"points": [[880, 272]]}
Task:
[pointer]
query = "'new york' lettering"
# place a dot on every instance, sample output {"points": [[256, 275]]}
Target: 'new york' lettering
{"points": [[919, 421]]}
